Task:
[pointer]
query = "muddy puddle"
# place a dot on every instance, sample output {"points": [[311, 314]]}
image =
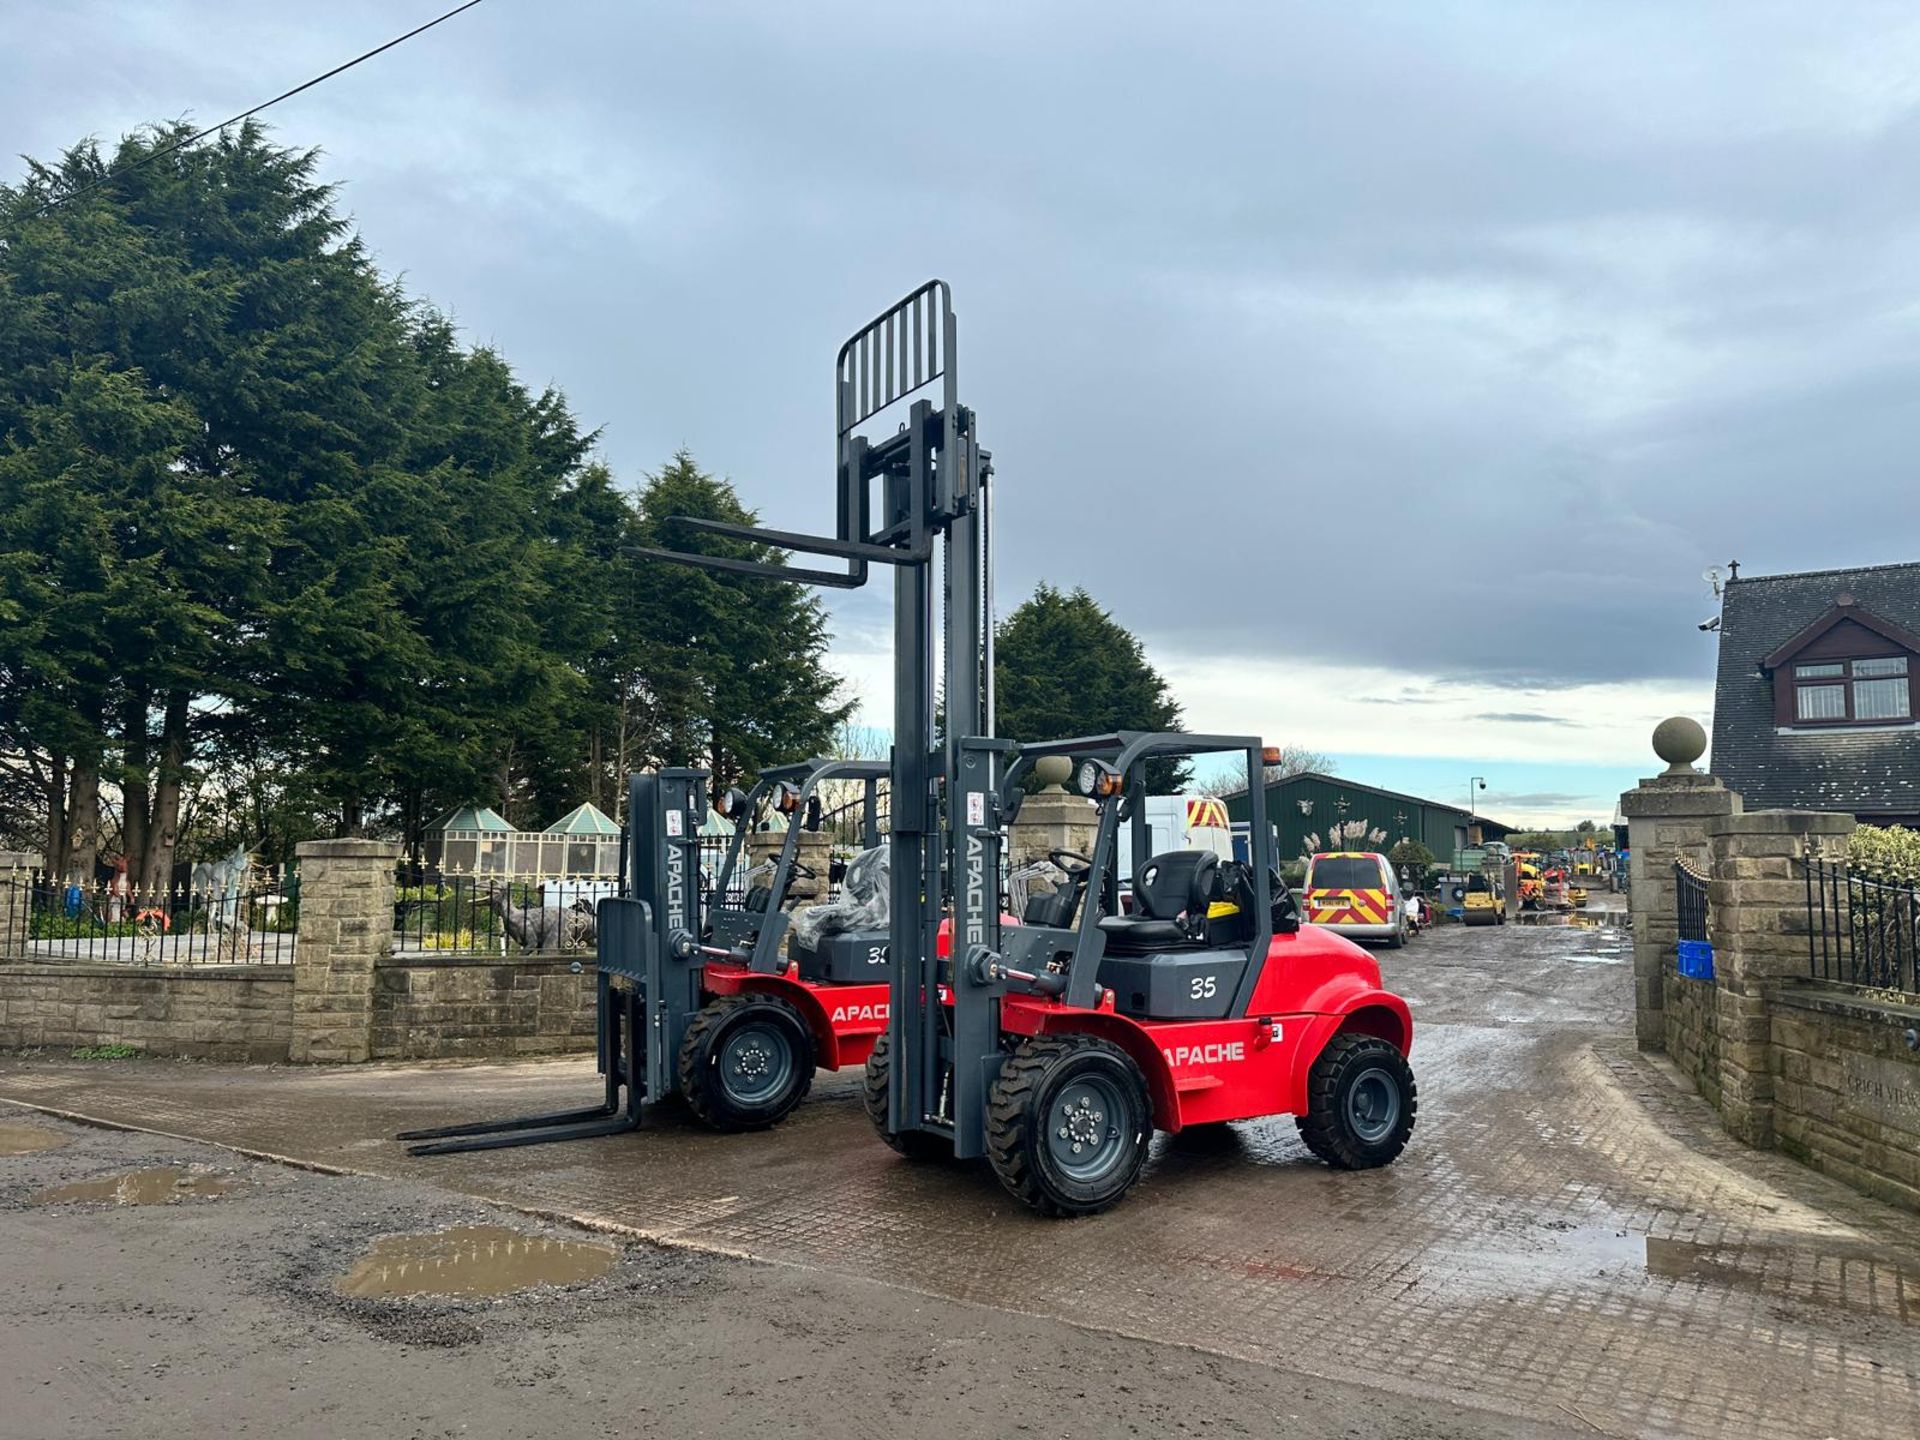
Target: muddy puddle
{"points": [[1574, 919], [19, 1138], [1846, 1278], [161, 1185], [1835, 1275], [474, 1261]]}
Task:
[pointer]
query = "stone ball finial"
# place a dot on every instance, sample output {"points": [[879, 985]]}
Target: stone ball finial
{"points": [[1679, 741], [1053, 771]]}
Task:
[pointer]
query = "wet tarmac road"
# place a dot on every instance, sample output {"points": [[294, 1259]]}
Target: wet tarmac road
{"points": [[1569, 1237]]}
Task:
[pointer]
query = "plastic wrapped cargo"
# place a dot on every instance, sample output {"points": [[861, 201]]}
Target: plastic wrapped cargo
{"points": [[863, 902]]}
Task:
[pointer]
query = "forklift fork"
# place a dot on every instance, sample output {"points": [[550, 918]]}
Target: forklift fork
{"points": [[622, 1017]]}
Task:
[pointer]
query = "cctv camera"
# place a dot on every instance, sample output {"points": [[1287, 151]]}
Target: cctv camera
{"points": [[1710, 625]]}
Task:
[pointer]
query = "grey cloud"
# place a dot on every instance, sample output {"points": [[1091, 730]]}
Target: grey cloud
{"points": [[1455, 338], [1524, 717], [1538, 799]]}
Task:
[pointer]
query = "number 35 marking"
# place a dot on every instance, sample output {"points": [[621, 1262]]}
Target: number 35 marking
{"points": [[1202, 987]]}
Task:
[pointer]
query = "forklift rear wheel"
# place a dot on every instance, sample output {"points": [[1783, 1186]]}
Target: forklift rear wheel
{"points": [[746, 1061], [914, 1144], [1361, 1103], [1068, 1122]]}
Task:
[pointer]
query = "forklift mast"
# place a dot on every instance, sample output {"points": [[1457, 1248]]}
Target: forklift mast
{"points": [[648, 991], [916, 498]]}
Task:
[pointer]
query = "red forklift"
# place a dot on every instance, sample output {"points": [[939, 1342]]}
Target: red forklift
{"points": [[1055, 1048], [749, 998]]}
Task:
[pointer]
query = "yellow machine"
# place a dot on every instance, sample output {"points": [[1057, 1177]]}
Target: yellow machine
{"points": [[1483, 903]]}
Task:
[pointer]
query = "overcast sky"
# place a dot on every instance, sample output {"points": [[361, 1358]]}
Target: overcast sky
{"points": [[1393, 370]]}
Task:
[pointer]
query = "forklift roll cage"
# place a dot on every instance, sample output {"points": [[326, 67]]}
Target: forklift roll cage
{"points": [[1128, 752], [756, 936]]}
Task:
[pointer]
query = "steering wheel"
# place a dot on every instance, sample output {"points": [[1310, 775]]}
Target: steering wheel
{"points": [[803, 870], [1071, 861]]}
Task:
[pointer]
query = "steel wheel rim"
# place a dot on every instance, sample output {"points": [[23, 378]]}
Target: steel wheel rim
{"points": [[1373, 1105], [756, 1062], [1086, 1134]]}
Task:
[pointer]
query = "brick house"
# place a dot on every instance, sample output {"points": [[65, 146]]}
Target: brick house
{"points": [[1813, 704]]}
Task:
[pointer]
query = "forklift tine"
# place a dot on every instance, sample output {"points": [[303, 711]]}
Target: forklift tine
{"points": [[523, 1122], [619, 1125]]}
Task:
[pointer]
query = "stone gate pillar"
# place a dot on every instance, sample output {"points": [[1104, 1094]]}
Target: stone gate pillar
{"points": [[1667, 817], [16, 900], [813, 850], [1052, 818], [1757, 922], [346, 923]]}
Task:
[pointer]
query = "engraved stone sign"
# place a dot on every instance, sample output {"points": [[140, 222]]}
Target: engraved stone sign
{"points": [[1884, 1090]]}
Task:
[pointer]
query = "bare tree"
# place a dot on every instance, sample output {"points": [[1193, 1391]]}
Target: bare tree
{"points": [[1294, 760]]}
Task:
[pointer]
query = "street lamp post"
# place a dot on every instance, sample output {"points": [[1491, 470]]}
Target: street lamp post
{"points": [[1478, 782]]}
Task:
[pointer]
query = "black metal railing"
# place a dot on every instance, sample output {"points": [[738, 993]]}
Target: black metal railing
{"points": [[1690, 887], [1863, 928], [1693, 954], [249, 920], [459, 914]]}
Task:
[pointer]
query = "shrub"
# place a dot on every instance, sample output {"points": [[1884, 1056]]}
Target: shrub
{"points": [[1890, 850], [1414, 858], [48, 926]]}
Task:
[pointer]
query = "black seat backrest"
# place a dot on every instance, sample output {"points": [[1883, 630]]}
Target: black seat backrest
{"points": [[1054, 909], [1180, 880]]}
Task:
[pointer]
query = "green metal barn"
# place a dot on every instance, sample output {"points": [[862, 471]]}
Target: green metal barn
{"points": [[1307, 804]]}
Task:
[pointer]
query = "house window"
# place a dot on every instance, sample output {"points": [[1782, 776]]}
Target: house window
{"points": [[1857, 691]]}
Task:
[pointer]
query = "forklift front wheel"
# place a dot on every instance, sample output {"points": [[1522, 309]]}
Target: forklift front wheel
{"points": [[746, 1061], [914, 1144], [1068, 1122], [1361, 1103]]}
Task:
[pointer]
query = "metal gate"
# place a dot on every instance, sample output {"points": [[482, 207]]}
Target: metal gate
{"points": [[1693, 952]]}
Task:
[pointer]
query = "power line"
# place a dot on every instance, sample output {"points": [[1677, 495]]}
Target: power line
{"points": [[178, 145]]}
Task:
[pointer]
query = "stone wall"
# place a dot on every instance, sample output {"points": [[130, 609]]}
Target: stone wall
{"points": [[1757, 922], [346, 924], [1691, 1028], [1846, 1089], [1666, 821], [215, 1012], [1829, 1074], [438, 1008]]}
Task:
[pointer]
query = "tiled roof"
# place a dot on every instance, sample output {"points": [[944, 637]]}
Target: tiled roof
{"points": [[587, 820], [1874, 771], [472, 817]]}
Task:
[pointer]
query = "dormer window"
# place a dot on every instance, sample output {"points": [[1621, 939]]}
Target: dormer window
{"points": [[1852, 691], [1849, 667]]}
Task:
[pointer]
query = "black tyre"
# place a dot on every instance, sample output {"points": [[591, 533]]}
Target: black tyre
{"points": [[914, 1144], [1361, 1103], [746, 1061], [1399, 937], [1068, 1123]]}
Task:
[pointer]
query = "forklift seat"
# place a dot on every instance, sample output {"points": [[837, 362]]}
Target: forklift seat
{"points": [[1180, 882]]}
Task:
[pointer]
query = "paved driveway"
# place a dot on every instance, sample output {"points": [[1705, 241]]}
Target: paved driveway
{"points": [[1569, 1237]]}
